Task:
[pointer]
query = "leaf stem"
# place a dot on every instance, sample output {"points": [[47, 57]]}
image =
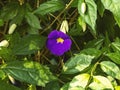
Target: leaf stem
{"points": [[75, 43], [67, 6]]}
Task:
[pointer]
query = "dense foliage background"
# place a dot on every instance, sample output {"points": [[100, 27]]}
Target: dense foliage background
{"points": [[93, 63]]}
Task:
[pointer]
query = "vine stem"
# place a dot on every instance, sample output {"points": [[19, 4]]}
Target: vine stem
{"points": [[75, 43], [67, 6], [93, 69]]}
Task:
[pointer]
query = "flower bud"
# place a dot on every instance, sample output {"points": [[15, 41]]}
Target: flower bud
{"points": [[84, 26], [11, 79], [82, 23], [64, 26], [83, 7], [12, 28], [4, 43]]}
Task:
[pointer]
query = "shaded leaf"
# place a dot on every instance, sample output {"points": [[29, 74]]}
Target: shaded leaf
{"points": [[2, 74], [65, 87], [1, 22], [100, 7], [49, 6], [96, 43], [53, 85], [115, 57], [29, 44], [30, 72], [100, 83], [5, 86], [6, 54], [92, 52], [77, 63], [32, 20], [9, 11], [111, 69]]}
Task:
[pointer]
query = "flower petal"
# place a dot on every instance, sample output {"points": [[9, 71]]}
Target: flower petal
{"points": [[56, 34], [55, 47]]}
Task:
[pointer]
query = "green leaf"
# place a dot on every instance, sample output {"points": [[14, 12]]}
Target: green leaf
{"points": [[6, 54], [19, 17], [77, 63], [100, 83], [9, 11], [113, 6], [1, 22], [111, 69], [100, 7], [32, 20], [28, 44], [90, 15], [31, 87], [53, 85], [95, 43], [5, 86], [79, 81], [49, 6], [28, 71], [115, 57], [116, 46], [117, 87], [65, 86], [92, 52], [74, 3], [2, 74]]}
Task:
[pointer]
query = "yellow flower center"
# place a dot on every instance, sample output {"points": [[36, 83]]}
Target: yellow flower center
{"points": [[60, 40]]}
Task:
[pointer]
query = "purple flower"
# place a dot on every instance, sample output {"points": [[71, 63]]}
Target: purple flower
{"points": [[58, 42]]}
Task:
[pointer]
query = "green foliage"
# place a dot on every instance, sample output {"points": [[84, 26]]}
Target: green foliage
{"points": [[100, 82], [108, 66], [93, 61], [5, 86], [90, 15], [50, 6], [77, 63], [28, 44], [33, 72]]}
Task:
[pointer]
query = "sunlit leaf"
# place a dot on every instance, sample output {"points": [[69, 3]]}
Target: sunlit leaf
{"points": [[113, 6], [77, 63], [49, 6], [111, 69], [117, 87], [91, 14], [100, 83], [79, 81], [116, 46], [28, 71]]}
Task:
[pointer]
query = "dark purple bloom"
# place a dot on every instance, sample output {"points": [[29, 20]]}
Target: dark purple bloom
{"points": [[58, 42]]}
